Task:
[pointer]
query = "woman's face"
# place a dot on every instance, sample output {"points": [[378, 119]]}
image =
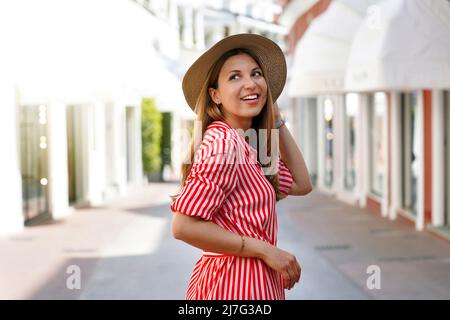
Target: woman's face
{"points": [[242, 89]]}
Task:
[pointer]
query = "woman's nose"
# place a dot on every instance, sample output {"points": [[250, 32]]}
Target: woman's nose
{"points": [[249, 82]]}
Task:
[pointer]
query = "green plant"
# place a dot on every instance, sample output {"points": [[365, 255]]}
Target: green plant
{"points": [[166, 138], [151, 126]]}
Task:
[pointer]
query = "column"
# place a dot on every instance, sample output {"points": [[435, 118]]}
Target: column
{"points": [[96, 153], [365, 141], [438, 166], [11, 217], [199, 31], [395, 154], [57, 144], [188, 27], [420, 218]]}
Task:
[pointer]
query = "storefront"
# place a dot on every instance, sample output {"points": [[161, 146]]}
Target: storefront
{"points": [[350, 146], [326, 135], [406, 149], [74, 153], [377, 144], [34, 163], [60, 123], [305, 115], [319, 70]]}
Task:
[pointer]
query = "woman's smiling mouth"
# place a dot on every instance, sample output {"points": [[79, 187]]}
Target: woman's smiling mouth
{"points": [[251, 99]]}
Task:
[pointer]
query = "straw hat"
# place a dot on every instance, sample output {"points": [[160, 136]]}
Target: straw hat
{"points": [[269, 53]]}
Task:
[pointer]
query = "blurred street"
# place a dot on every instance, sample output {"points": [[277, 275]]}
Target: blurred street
{"points": [[95, 117], [124, 250]]}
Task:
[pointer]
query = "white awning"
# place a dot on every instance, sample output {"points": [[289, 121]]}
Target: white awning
{"points": [[404, 45], [321, 55]]}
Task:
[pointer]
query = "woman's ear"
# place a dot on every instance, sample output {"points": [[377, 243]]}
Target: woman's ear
{"points": [[214, 95]]}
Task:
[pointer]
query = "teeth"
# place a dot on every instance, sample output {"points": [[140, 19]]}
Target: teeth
{"points": [[254, 96]]}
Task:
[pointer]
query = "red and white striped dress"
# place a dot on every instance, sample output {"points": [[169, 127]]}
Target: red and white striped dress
{"points": [[240, 199]]}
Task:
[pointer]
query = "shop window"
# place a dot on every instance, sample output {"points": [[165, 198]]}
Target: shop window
{"points": [[130, 142], [328, 115], [377, 114], [310, 122], [351, 108], [34, 163], [410, 167]]}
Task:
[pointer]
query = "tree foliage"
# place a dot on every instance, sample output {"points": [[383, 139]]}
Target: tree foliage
{"points": [[151, 126]]}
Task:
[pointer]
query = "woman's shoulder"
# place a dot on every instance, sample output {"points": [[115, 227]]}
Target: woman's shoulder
{"points": [[220, 130], [219, 137]]}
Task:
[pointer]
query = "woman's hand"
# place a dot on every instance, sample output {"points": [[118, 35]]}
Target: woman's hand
{"points": [[285, 263]]}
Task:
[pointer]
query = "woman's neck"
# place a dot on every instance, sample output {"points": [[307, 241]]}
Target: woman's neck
{"points": [[242, 124]]}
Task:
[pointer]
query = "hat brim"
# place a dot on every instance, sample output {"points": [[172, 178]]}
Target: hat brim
{"points": [[268, 52]]}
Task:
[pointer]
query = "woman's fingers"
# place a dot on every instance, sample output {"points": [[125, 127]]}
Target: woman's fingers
{"points": [[286, 281], [298, 271], [289, 278], [299, 268], [294, 272], [286, 264], [292, 276]]}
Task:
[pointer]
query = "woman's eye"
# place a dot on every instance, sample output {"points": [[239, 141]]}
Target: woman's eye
{"points": [[234, 76], [257, 73]]}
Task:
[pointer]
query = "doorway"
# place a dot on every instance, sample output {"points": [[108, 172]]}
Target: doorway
{"points": [[34, 164], [351, 110], [130, 126], [410, 165], [377, 149], [74, 153], [328, 118]]}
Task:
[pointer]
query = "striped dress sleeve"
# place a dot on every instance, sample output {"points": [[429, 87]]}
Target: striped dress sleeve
{"points": [[212, 178], [284, 177]]}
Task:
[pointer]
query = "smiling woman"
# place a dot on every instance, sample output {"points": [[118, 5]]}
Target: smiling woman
{"points": [[241, 89], [226, 206]]}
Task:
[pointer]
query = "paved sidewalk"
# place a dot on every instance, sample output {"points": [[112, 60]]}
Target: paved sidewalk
{"points": [[337, 241], [125, 251]]}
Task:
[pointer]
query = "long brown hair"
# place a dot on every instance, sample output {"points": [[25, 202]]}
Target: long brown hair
{"points": [[208, 111]]}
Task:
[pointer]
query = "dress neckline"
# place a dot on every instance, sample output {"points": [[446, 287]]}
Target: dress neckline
{"points": [[225, 124]]}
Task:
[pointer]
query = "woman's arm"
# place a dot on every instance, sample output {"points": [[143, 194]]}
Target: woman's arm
{"points": [[293, 158], [208, 236]]}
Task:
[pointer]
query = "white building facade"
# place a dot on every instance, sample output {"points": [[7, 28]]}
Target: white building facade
{"points": [[72, 81], [201, 24], [372, 77]]}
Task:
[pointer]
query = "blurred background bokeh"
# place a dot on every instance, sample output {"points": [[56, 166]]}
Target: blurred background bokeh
{"points": [[92, 107]]}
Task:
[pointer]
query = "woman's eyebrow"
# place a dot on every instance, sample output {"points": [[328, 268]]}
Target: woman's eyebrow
{"points": [[255, 68]]}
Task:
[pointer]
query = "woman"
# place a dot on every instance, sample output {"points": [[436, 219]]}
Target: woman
{"points": [[226, 206]]}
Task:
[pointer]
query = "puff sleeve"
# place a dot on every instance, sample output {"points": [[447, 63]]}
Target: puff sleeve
{"points": [[284, 177], [212, 178]]}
